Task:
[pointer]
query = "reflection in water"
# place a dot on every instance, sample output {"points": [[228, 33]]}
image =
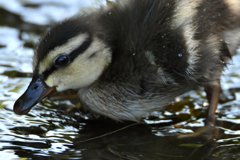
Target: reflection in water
{"points": [[57, 130]]}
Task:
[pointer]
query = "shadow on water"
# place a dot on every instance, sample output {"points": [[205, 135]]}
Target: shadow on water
{"points": [[58, 130]]}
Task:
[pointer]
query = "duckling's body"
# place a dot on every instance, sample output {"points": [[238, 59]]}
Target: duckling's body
{"points": [[135, 58]]}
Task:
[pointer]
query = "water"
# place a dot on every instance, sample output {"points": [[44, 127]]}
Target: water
{"points": [[57, 130]]}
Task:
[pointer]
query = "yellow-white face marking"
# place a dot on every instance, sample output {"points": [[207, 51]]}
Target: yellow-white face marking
{"points": [[83, 70], [67, 48], [234, 6], [185, 11]]}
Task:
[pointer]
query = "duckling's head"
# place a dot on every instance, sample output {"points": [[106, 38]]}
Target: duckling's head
{"points": [[69, 56]]}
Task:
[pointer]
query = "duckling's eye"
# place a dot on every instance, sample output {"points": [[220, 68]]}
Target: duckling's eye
{"points": [[61, 61]]}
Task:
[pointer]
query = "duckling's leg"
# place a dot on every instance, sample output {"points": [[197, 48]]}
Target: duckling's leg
{"points": [[212, 91]]}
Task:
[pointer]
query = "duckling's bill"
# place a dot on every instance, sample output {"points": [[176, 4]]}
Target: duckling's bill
{"points": [[36, 91]]}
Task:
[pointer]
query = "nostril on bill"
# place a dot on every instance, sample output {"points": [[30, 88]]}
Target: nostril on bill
{"points": [[35, 87]]}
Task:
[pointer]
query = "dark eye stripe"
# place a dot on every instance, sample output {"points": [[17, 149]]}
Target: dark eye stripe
{"points": [[80, 49], [72, 56]]}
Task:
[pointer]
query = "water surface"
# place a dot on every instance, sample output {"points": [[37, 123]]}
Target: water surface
{"points": [[58, 130]]}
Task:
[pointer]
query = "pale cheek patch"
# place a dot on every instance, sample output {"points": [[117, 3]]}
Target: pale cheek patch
{"points": [[51, 80], [66, 48], [83, 71], [234, 6]]}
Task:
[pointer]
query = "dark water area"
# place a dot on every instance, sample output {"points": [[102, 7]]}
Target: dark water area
{"points": [[56, 129]]}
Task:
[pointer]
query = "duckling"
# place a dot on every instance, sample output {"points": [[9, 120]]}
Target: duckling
{"points": [[136, 57]]}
